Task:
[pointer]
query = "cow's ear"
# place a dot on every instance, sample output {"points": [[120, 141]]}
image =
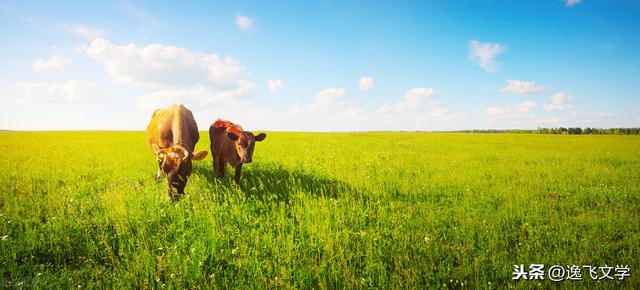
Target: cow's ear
{"points": [[232, 136], [261, 137], [199, 155]]}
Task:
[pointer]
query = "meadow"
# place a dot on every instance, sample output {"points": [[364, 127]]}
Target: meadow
{"points": [[320, 210]]}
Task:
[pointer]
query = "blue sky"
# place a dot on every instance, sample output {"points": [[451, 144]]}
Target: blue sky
{"points": [[321, 66]]}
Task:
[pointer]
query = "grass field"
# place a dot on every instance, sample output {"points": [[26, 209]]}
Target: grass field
{"points": [[320, 210]]}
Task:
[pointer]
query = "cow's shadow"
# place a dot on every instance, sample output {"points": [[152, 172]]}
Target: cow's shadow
{"points": [[274, 182]]}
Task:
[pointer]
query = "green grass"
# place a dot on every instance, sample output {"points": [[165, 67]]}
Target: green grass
{"points": [[319, 210]]}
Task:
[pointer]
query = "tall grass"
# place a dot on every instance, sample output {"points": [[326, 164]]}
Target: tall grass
{"points": [[319, 210]]}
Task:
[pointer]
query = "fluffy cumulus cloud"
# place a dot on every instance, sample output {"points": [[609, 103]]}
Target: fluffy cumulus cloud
{"points": [[484, 54], [498, 111], [518, 116], [55, 63], [328, 99], [164, 65], [571, 2], [196, 96], [66, 92], [354, 113], [414, 99], [177, 72], [418, 110], [509, 112], [522, 87], [275, 85], [521, 115], [330, 109], [366, 83], [244, 22], [325, 100], [525, 106], [560, 101], [590, 117], [87, 32]]}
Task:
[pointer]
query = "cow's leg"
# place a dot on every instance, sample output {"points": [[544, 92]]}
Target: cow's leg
{"points": [[238, 171], [171, 193], [159, 174], [220, 168], [214, 163]]}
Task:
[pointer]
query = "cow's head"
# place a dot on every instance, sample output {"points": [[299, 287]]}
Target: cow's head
{"points": [[175, 163], [245, 143]]}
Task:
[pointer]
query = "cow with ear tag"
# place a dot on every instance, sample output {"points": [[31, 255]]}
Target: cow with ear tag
{"points": [[172, 135], [230, 144]]}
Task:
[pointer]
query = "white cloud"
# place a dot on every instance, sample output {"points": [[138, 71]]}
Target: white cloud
{"points": [[195, 96], [328, 106], [354, 113], [560, 101], [498, 111], [325, 100], [68, 92], [571, 2], [164, 65], [522, 87], [329, 98], [80, 49], [56, 63], [172, 69], [525, 107], [484, 54], [329, 111], [519, 112], [87, 32], [275, 85], [296, 109], [243, 22], [419, 107], [521, 117], [518, 117], [414, 99], [590, 117], [366, 83]]}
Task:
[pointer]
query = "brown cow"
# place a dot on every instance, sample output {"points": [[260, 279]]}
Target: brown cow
{"points": [[172, 135], [230, 144]]}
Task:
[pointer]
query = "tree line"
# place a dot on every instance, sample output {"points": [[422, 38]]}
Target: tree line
{"points": [[563, 130]]}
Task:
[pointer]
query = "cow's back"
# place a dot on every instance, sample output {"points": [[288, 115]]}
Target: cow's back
{"points": [[171, 126]]}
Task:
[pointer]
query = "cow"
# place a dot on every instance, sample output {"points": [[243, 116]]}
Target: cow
{"points": [[230, 144], [172, 135]]}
